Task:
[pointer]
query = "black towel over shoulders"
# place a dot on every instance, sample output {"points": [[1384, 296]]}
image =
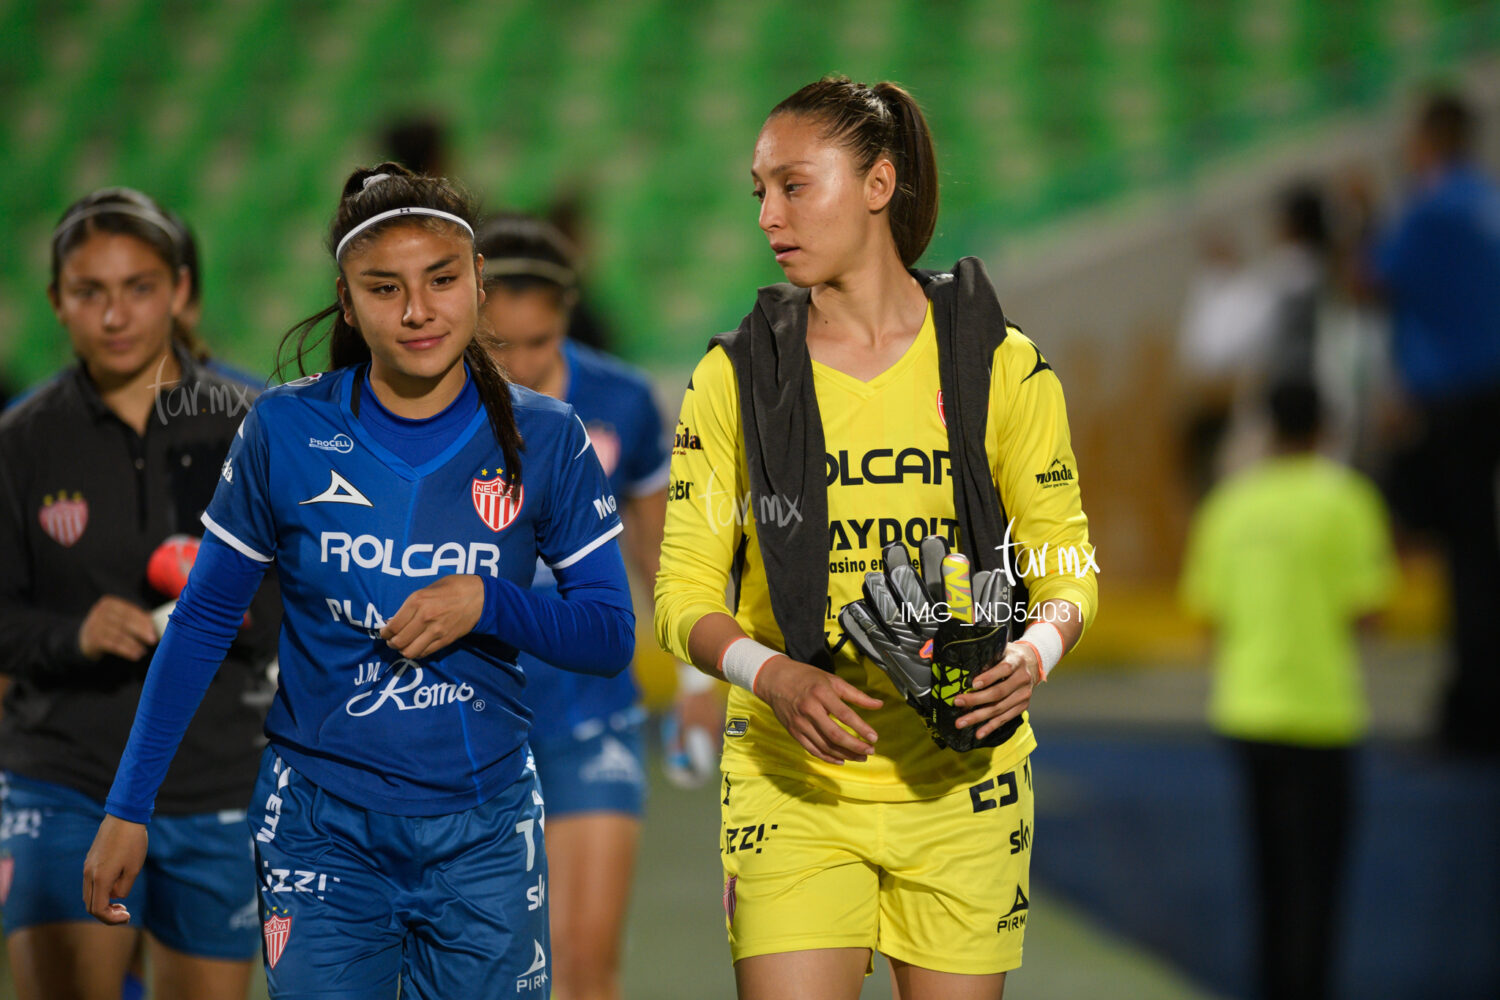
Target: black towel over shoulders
{"points": [[784, 447]]}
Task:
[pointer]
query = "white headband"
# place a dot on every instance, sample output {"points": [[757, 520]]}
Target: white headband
{"points": [[338, 252], [505, 267], [120, 208]]}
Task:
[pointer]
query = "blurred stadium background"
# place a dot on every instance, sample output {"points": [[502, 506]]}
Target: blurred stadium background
{"points": [[1085, 146]]}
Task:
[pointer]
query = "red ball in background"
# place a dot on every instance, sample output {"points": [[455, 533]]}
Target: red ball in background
{"points": [[171, 563]]}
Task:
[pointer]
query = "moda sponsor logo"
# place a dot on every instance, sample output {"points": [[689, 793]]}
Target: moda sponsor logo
{"points": [[684, 440], [1057, 474], [605, 506], [406, 688], [418, 560], [341, 443]]}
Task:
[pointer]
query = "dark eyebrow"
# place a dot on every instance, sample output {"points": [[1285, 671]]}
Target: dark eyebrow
{"points": [[783, 168], [445, 262], [132, 279]]}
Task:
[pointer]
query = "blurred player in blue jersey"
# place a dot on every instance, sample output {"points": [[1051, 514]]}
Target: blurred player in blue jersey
{"points": [[586, 731], [405, 496]]}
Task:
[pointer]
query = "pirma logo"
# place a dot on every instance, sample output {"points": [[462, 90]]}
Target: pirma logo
{"points": [[534, 978], [1016, 918], [339, 490]]}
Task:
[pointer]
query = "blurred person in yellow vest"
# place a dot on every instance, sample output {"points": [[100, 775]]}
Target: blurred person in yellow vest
{"points": [[1284, 560]]}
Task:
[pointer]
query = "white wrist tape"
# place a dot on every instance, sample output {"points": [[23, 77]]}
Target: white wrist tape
{"points": [[742, 660], [1046, 638], [691, 680]]}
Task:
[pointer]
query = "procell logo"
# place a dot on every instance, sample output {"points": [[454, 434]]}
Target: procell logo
{"points": [[1057, 474], [422, 559], [405, 689], [340, 443]]}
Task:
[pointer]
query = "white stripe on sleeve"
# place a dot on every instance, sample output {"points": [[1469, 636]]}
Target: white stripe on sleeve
{"points": [[231, 541], [591, 546]]}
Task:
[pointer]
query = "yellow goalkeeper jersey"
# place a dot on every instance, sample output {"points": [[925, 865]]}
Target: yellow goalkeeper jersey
{"points": [[889, 478]]}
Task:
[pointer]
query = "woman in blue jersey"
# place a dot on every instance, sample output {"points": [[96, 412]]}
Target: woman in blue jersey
{"points": [[586, 731], [405, 496]]}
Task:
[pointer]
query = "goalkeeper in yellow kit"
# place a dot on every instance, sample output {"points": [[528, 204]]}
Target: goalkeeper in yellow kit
{"points": [[859, 410]]}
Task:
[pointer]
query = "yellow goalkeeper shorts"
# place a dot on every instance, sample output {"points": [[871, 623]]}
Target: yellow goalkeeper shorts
{"points": [[939, 883]]}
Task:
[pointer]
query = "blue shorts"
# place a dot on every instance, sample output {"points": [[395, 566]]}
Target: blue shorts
{"points": [[597, 767], [354, 900], [195, 895]]}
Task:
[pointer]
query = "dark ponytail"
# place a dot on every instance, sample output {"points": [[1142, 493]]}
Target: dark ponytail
{"points": [[128, 212], [367, 193], [883, 120]]}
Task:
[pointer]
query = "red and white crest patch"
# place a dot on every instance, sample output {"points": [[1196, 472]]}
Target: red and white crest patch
{"points": [[496, 501], [606, 445], [64, 517], [277, 931]]}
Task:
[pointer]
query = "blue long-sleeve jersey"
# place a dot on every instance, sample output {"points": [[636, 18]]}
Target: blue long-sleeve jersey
{"points": [[354, 530]]}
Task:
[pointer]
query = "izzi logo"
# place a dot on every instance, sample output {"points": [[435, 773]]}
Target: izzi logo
{"points": [[1057, 474]]}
